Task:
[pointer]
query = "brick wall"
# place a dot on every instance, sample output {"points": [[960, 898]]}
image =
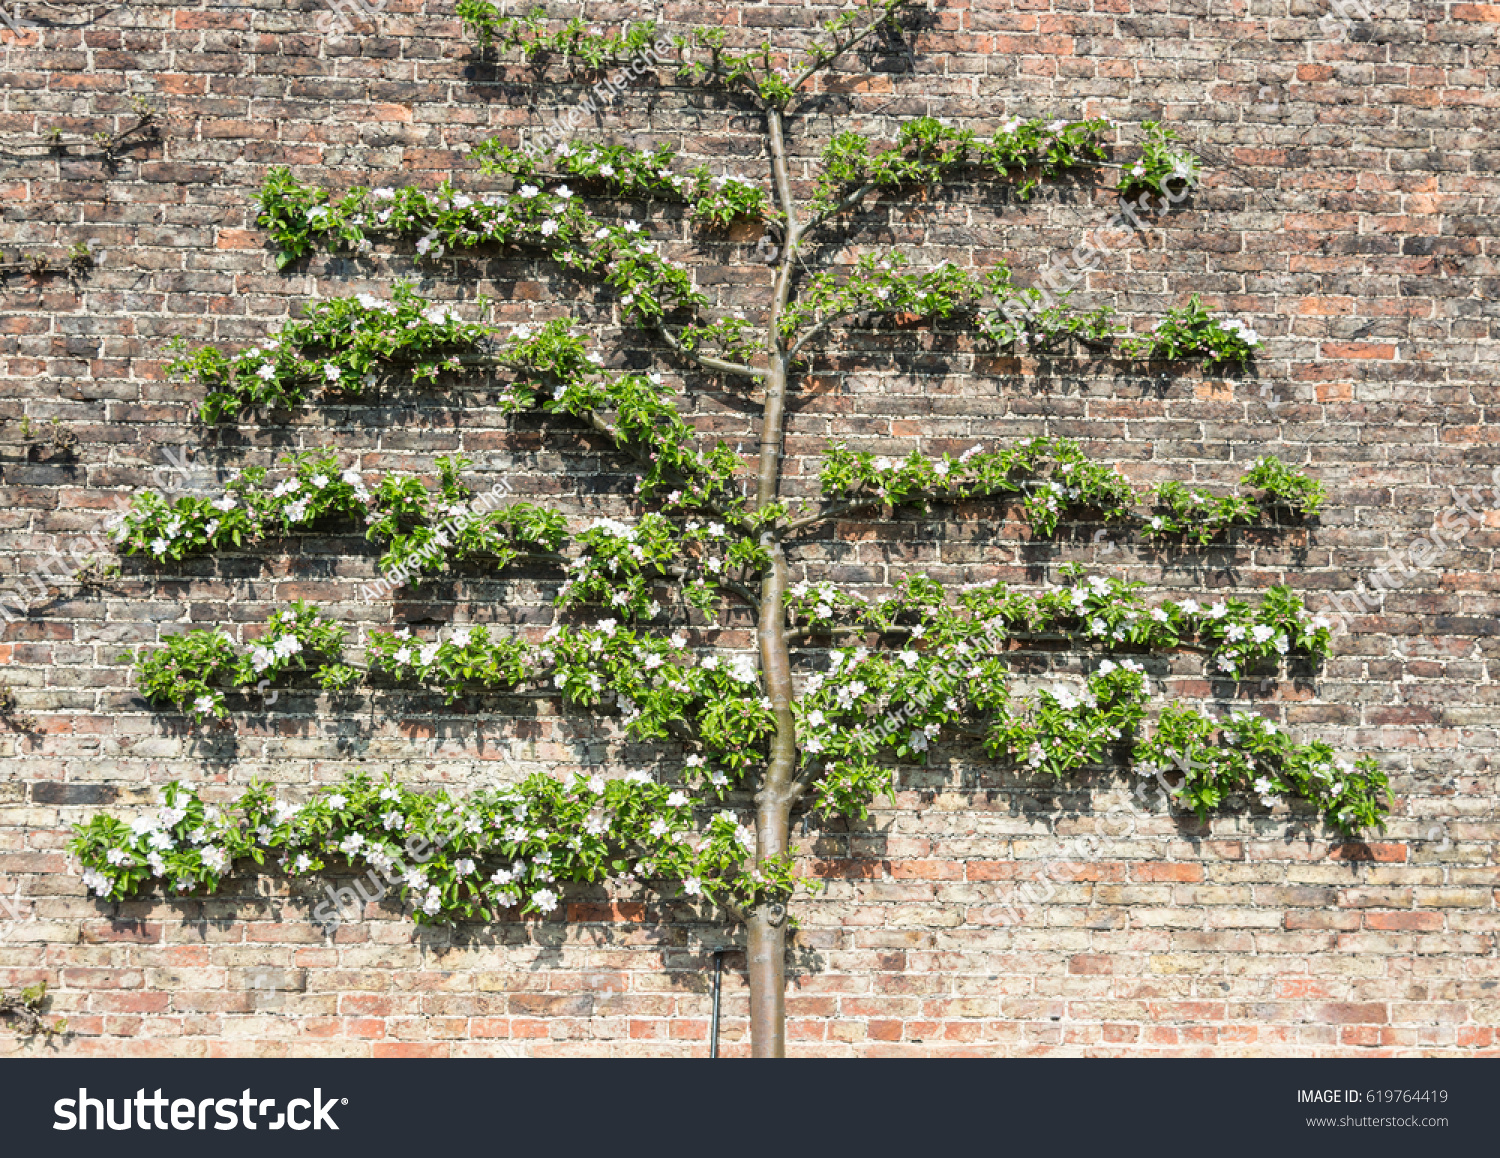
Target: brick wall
{"points": [[1354, 225]]}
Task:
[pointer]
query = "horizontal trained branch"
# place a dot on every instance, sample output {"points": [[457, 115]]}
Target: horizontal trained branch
{"points": [[449, 858], [106, 146], [951, 671], [1056, 479]]}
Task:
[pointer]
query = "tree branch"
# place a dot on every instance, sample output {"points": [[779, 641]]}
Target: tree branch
{"points": [[838, 49], [742, 591], [783, 181], [832, 511], [707, 361], [798, 788], [818, 328], [848, 202], [107, 146], [801, 633], [738, 913]]}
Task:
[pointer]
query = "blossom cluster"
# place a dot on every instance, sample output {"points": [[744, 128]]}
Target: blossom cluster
{"points": [[1008, 315], [1200, 517], [881, 283], [1246, 754], [1071, 479], [646, 422], [556, 370], [470, 657], [1056, 477], [1034, 319], [575, 39], [420, 529], [618, 563], [343, 345], [655, 683], [302, 218], [424, 530], [248, 511], [659, 687], [1162, 164], [623, 172], [453, 858], [927, 151], [1191, 331], [192, 669], [952, 677]]}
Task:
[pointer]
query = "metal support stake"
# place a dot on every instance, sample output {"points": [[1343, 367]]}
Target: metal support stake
{"points": [[713, 1029]]}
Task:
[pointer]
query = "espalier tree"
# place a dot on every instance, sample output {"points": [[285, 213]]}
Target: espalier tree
{"points": [[841, 688]]}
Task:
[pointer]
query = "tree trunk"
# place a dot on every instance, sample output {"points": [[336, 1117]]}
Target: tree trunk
{"points": [[773, 803], [767, 948], [777, 795], [773, 808], [767, 961]]}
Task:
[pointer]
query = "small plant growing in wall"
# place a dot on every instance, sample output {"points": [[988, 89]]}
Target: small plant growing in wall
{"points": [[24, 1011]]}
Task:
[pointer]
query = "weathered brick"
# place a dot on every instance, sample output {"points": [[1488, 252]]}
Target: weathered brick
{"points": [[960, 920]]}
